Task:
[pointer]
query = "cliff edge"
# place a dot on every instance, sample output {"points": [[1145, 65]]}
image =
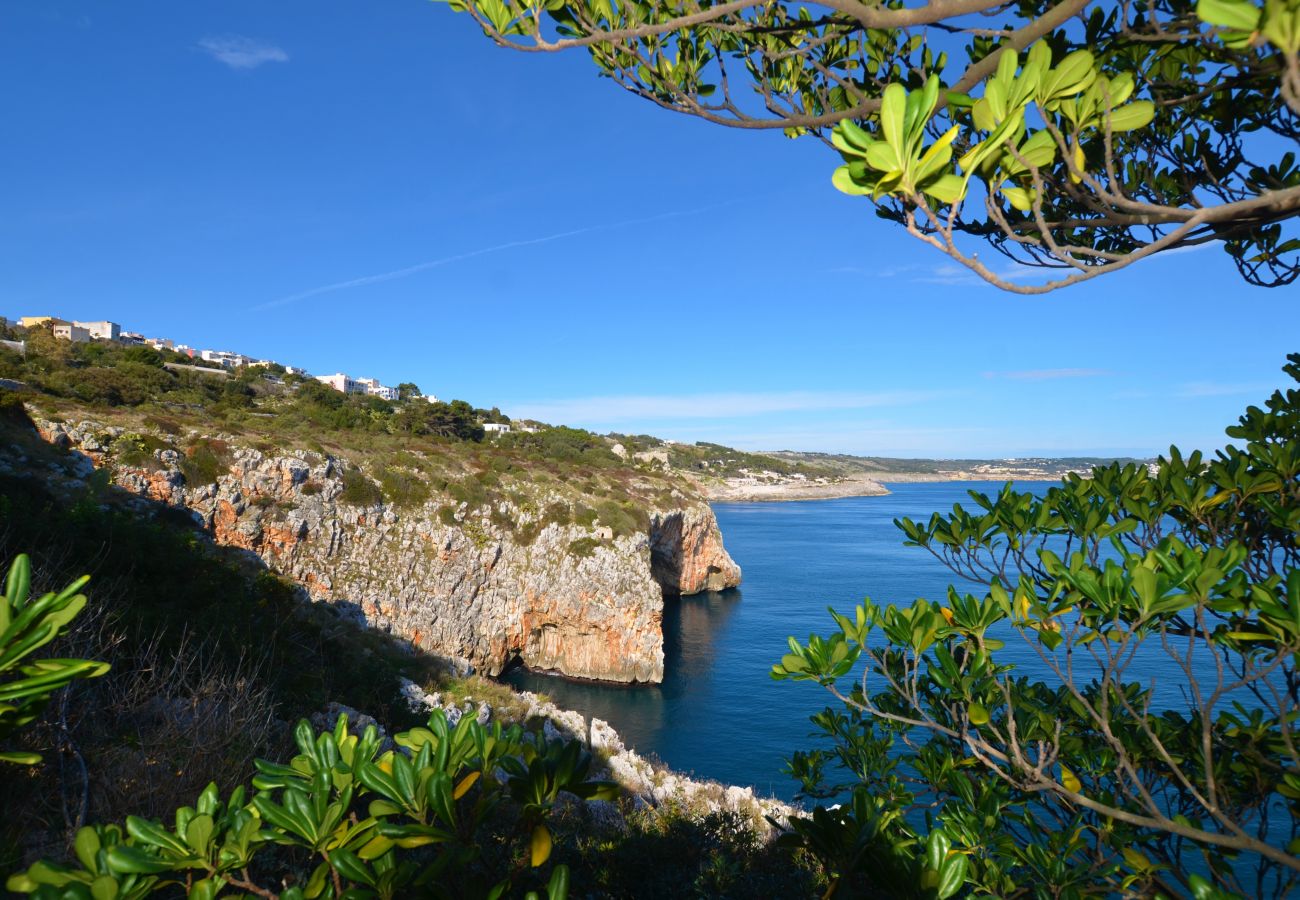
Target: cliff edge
{"points": [[478, 585]]}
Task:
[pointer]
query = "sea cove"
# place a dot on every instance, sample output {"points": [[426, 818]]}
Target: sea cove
{"points": [[718, 714]]}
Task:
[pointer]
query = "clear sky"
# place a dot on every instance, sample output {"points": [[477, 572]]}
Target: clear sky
{"points": [[375, 188]]}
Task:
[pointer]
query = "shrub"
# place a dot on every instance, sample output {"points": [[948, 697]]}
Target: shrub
{"points": [[1075, 774], [583, 547], [30, 623], [352, 815], [359, 490], [556, 514], [205, 461], [137, 450], [625, 518], [402, 488]]}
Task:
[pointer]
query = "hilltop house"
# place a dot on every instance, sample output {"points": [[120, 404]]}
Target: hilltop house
{"points": [[101, 331], [496, 427], [70, 332], [225, 358], [375, 389], [38, 321], [344, 384], [348, 385]]}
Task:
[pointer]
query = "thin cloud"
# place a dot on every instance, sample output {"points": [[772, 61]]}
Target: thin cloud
{"points": [[1049, 374], [710, 406], [959, 276], [239, 52], [1217, 389], [470, 254]]}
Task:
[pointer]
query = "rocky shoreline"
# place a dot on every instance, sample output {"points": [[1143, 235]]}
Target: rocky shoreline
{"points": [[749, 490], [646, 784]]}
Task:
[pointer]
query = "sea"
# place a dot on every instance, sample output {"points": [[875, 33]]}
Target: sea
{"points": [[718, 713]]}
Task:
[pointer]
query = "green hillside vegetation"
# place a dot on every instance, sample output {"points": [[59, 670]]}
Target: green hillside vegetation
{"points": [[403, 453]]}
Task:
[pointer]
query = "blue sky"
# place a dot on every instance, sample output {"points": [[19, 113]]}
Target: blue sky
{"points": [[375, 188]]}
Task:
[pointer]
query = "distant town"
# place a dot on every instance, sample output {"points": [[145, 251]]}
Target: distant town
{"points": [[83, 332]]}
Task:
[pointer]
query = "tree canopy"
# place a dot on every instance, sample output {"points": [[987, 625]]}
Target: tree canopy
{"points": [[1079, 136], [1113, 711]]}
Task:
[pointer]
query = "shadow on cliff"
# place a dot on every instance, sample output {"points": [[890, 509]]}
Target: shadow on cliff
{"points": [[157, 578]]}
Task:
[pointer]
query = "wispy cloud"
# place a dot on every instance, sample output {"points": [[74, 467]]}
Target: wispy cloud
{"points": [[470, 254], [239, 52], [1218, 389], [1049, 374], [711, 406], [960, 276]]}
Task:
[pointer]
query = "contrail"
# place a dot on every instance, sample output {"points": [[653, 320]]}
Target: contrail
{"points": [[497, 248]]}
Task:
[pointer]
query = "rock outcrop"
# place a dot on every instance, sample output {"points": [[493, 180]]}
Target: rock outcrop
{"points": [[647, 783], [686, 552], [457, 582]]}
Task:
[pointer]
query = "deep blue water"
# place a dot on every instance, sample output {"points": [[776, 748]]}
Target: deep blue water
{"points": [[718, 713]]}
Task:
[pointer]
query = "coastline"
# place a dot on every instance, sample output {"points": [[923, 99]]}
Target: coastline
{"points": [[758, 492], [745, 491]]}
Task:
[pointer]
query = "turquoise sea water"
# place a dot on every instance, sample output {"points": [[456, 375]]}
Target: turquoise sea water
{"points": [[718, 714]]}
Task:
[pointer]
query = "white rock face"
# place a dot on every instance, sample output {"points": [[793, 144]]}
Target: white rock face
{"points": [[646, 784]]}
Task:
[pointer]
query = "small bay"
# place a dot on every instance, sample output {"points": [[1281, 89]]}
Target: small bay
{"points": [[718, 714]]}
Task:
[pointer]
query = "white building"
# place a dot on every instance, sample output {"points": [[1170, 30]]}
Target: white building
{"points": [[372, 387], [131, 337], [160, 343], [74, 333], [344, 384], [431, 398], [101, 331], [496, 428], [225, 358]]}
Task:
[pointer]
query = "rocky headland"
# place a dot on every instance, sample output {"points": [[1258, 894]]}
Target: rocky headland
{"points": [[479, 586]]}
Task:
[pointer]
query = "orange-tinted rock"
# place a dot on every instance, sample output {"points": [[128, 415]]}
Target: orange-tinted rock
{"points": [[467, 591]]}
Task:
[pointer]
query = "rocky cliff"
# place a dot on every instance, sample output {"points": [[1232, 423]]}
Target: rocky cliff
{"points": [[479, 586]]}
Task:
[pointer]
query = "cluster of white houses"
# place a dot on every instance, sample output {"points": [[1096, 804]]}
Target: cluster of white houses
{"points": [[82, 332], [349, 385]]}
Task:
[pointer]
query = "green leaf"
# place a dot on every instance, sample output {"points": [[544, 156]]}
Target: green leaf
{"points": [[946, 188], [977, 714], [1239, 15], [1135, 115], [952, 876], [893, 112]]}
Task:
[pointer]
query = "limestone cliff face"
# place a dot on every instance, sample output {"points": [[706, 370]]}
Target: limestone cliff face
{"points": [[459, 586], [686, 552]]}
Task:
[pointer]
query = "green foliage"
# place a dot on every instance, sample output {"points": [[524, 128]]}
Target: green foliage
{"points": [[364, 822], [401, 488], [1081, 136], [583, 547], [359, 490], [26, 625], [624, 517], [204, 461], [562, 444], [137, 450], [1089, 780]]}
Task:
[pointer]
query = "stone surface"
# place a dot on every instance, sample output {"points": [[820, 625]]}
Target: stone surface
{"points": [[466, 590]]}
